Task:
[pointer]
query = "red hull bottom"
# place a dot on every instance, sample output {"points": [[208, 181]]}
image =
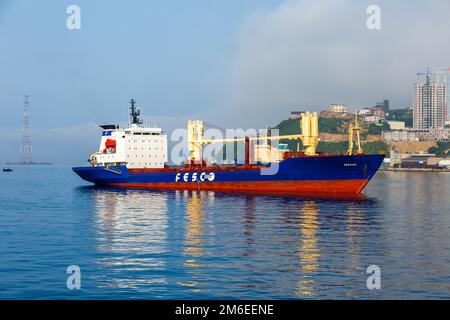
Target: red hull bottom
{"points": [[304, 187]]}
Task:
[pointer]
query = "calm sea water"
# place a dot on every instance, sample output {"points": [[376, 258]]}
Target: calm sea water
{"points": [[140, 244]]}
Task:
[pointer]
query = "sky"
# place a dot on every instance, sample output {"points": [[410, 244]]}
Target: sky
{"points": [[236, 64]]}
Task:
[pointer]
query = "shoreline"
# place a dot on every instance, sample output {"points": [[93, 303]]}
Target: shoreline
{"points": [[414, 169]]}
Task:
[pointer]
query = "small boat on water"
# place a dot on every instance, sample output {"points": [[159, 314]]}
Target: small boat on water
{"points": [[7, 169]]}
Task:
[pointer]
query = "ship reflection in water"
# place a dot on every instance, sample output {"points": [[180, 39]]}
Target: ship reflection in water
{"points": [[309, 252], [132, 237], [189, 244], [207, 245], [193, 240]]}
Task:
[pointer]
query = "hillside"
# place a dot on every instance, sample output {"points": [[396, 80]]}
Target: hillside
{"points": [[333, 126], [412, 146], [441, 148], [326, 125]]}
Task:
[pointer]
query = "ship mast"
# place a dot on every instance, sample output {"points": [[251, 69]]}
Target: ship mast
{"points": [[135, 112]]}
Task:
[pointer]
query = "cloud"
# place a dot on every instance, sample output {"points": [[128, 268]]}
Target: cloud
{"points": [[308, 54]]}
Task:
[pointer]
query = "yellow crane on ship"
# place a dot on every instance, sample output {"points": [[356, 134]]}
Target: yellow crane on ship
{"points": [[309, 126], [354, 129]]}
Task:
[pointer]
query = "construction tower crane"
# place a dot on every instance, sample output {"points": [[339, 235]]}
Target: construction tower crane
{"points": [[438, 73], [443, 73]]}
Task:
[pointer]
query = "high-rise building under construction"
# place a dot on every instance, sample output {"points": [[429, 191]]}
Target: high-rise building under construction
{"points": [[429, 103]]}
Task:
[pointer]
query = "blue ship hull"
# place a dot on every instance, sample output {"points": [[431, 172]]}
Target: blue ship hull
{"points": [[324, 174]]}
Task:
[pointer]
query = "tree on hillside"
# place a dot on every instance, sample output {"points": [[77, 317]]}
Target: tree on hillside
{"points": [[443, 148], [401, 115], [373, 128]]}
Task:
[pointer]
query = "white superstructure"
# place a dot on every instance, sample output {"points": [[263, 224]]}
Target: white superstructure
{"points": [[136, 146]]}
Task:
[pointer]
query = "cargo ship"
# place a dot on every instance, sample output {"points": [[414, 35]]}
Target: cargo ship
{"points": [[137, 157]]}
